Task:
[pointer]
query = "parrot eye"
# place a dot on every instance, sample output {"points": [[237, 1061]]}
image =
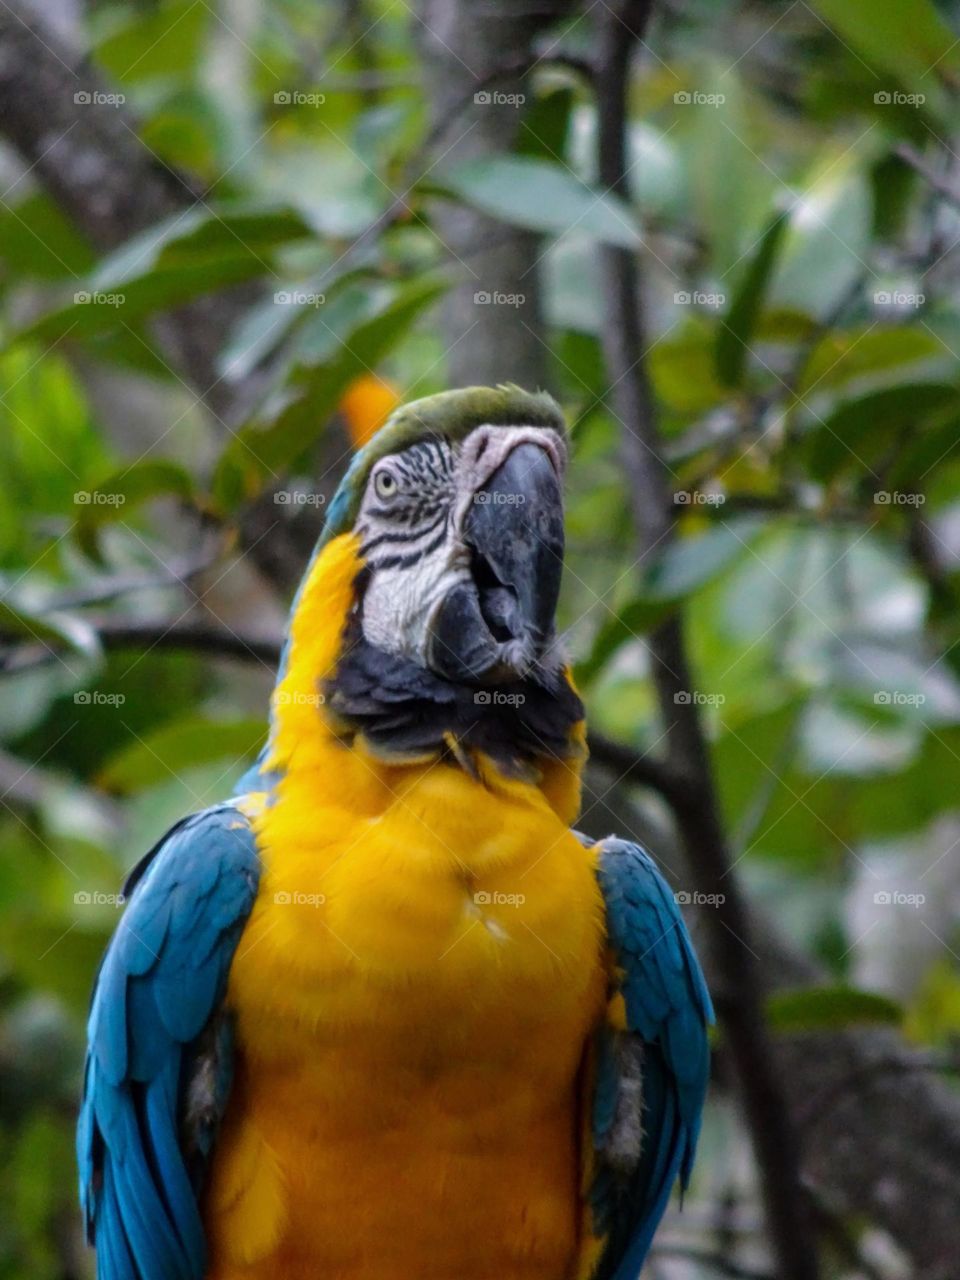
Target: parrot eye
{"points": [[385, 484]]}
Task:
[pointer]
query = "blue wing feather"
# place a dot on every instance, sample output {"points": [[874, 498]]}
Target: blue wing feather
{"points": [[115, 1257], [667, 1010], [161, 983]]}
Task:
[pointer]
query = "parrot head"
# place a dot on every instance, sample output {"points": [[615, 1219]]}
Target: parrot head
{"points": [[453, 514], [462, 542]]}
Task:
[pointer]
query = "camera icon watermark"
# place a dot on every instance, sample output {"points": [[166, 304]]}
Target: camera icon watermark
{"points": [[495, 98], [698, 298], [95, 698], [694, 697], [497, 499], [696, 498], [493, 898], [297, 98], [896, 898], [94, 898], [897, 98], [298, 698], [98, 498], [694, 98], [897, 698], [898, 498], [898, 299], [497, 698], [496, 298], [95, 98], [95, 298], [298, 498], [296, 898], [298, 298]]}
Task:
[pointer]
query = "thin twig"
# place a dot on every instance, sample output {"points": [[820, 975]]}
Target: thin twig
{"points": [[175, 574], [642, 770], [197, 637]]}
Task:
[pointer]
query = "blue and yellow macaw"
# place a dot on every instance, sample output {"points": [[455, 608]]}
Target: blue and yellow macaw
{"points": [[384, 1015]]}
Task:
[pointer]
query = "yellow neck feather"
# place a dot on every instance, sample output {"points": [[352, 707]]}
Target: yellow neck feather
{"points": [[304, 740]]}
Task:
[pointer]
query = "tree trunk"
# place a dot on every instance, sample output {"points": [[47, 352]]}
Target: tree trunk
{"points": [[475, 56]]}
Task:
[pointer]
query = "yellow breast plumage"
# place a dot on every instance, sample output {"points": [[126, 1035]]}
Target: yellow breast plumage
{"points": [[412, 993]]}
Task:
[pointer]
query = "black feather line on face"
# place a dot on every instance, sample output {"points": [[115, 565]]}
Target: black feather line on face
{"points": [[403, 536], [403, 709], [411, 557]]}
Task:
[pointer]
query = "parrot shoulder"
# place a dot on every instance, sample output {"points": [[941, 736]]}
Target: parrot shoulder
{"points": [[159, 1052], [648, 1067]]}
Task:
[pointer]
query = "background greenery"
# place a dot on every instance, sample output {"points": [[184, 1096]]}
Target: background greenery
{"points": [[794, 199]]}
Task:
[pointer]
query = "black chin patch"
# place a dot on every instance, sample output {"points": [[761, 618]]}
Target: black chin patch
{"points": [[403, 709]]}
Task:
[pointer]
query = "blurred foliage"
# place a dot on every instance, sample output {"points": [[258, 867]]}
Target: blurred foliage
{"points": [[803, 316]]}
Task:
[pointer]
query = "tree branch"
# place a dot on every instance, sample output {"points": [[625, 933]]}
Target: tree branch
{"points": [[195, 637], [638, 770], [621, 25]]}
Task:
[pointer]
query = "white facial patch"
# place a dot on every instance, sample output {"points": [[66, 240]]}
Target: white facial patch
{"points": [[400, 602], [411, 521]]}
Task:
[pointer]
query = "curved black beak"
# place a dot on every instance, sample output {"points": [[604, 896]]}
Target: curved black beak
{"points": [[499, 625], [515, 531]]}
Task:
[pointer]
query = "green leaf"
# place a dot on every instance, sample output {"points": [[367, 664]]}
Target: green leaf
{"points": [[829, 1009], [689, 563], [902, 803], [742, 781], [926, 455], [184, 134], [724, 193], [266, 449], [542, 196], [113, 497], [37, 239], [49, 444], [545, 123], [39, 1193], [52, 956], [170, 750], [164, 39], [127, 346], [684, 370], [855, 353], [736, 332], [185, 255], [142, 480], [54, 630], [906, 41], [860, 432], [681, 569], [826, 245], [201, 234]]}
